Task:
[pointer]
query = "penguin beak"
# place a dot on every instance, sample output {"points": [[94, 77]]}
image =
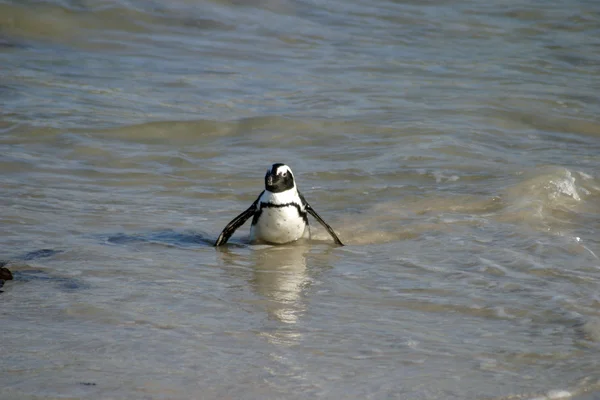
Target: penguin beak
{"points": [[269, 180]]}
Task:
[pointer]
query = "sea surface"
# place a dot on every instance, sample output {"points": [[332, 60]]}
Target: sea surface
{"points": [[454, 146]]}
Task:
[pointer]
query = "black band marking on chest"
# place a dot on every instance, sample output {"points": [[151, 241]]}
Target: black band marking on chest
{"points": [[272, 205]]}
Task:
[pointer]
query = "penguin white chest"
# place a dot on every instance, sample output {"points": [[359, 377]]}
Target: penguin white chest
{"points": [[278, 225]]}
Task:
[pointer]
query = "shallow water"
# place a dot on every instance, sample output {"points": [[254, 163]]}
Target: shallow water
{"points": [[454, 147]]}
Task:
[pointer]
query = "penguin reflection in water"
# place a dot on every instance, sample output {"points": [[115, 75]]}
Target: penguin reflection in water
{"points": [[279, 214]]}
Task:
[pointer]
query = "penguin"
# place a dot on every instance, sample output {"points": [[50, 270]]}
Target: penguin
{"points": [[279, 214]]}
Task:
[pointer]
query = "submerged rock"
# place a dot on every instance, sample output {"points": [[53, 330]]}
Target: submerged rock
{"points": [[5, 274]]}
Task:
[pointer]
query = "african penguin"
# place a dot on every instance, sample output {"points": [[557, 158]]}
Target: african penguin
{"points": [[279, 214]]}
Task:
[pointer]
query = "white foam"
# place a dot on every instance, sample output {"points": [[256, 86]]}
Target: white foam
{"points": [[585, 176], [554, 395], [558, 394], [565, 186]]}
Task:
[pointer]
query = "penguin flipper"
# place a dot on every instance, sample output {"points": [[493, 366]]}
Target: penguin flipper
{"points": [[312, 212], [235, 223]]}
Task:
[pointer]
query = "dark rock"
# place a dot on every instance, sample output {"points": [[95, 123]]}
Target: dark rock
{"points": [[5, 274]]}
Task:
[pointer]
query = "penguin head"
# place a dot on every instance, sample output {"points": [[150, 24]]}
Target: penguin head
{"points": [[279, 178]]}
